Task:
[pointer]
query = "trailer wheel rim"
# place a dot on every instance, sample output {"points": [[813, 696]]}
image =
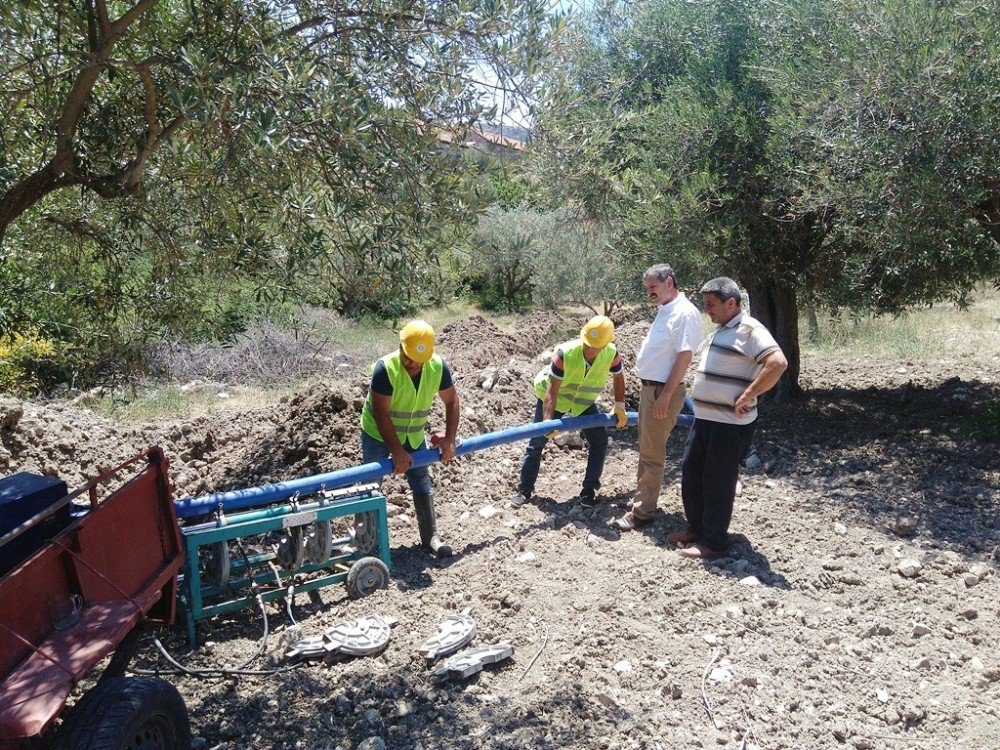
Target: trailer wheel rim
{"points": [[152, 734], [366, 576]]}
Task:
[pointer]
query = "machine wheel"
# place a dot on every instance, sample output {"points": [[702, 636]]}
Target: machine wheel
{"points": [[216, 564], [366, 532], [319, 543], [366, 576], [128, 713]]}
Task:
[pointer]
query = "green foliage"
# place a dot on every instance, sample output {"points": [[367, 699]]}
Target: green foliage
{"points": [[524, 256], [986, 423], [896, 105], [176, 166], [577, 263], [26, 362], [499, 259], [844, 153]]}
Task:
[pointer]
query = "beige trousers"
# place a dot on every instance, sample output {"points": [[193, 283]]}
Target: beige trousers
{"points": [[653, 435]]}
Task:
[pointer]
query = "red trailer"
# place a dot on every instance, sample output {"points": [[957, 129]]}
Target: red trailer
{"points": [[85, 593]]}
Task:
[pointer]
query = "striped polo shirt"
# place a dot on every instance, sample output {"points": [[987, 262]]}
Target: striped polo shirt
{"points": [[732, 356]]}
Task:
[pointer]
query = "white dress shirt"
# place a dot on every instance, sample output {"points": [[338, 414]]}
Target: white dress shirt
{"points": [[676, 328]]}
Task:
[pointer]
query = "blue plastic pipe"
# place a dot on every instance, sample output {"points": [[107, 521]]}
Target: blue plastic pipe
{"points": [[252, 497]]}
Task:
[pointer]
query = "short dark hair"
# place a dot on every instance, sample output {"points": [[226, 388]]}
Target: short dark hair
{"points": [[661, 271], [724, 288]]}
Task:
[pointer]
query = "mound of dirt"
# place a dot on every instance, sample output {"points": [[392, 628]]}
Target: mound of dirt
{"points": [[312, 433], [546, 328], [60, 440], [633, 314], [475, 342]]}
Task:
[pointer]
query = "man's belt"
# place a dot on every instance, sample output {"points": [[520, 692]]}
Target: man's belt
{"points": [[651, 383]]}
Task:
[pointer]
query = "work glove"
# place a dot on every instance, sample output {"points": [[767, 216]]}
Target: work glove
{"points": [[620, 414], [547, 414]]}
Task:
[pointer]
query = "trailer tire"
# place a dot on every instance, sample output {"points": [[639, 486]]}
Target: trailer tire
{"points": [[123, 653], [366, 576], [134, 713]]}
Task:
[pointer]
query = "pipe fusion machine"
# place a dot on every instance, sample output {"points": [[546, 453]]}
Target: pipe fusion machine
{"points": [[263, 543]]}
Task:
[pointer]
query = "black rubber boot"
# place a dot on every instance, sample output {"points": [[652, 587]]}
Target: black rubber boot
{"points": [[424, 507]]}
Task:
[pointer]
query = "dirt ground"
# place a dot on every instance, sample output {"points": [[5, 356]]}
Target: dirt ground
{"points": [[859, 607]]}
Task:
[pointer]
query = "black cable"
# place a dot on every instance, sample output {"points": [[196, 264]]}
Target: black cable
{"points": [[224, 672]]}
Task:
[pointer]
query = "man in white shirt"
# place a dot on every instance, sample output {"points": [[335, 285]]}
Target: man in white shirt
{"points": [[662, 361], [740, 362]]}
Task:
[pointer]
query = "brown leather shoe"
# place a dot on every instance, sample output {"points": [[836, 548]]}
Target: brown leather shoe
{"points": [[699, 551], [684, 536]]}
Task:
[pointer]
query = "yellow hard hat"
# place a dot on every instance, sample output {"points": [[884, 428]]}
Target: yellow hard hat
{"points": [[598, 332], [417, 340]]}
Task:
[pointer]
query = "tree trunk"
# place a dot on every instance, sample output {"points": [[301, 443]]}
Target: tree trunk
{"points": [[27, 193], [988, 214], [775, 305]]}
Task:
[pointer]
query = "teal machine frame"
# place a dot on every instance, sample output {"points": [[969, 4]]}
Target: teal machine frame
{"points": [[201, 598], [242, 521]]}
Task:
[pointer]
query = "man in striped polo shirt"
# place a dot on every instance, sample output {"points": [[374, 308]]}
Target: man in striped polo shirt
{"points": [[740, 361]]}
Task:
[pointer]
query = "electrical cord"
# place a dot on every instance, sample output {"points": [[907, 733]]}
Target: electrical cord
{"points": [[242, 669], [289, 593]]}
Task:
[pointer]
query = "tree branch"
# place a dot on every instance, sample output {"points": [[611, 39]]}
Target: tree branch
{"points": [[29, 191], [168, 131], [76, 227], [102, 16], [128, 18], [149, 106], [72, 109]]}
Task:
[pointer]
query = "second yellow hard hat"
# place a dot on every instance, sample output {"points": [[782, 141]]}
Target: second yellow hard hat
{"points": [[598, 332]]}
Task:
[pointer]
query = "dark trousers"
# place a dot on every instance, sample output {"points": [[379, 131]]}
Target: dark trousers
{"points": [[712, 458], [597, 440], [418, 478]]}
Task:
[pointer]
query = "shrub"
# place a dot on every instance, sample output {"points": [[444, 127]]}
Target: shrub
{"points": [[986, 424], [499, 259], [578, 264], [549, 258], [27, 362]]}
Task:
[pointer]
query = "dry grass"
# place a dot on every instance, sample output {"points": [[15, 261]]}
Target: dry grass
{"points": [[263, 365], [269, 363], [939, 331], [187, 401]]}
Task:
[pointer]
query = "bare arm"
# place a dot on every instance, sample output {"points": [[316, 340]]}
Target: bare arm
{"points": [[549, 404], [619, 386], [449, 396], [676, 376], [621, 416], [774, 365]]}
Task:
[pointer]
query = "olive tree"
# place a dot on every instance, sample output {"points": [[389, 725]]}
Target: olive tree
{"points": [[294, 141], [843, 154]]}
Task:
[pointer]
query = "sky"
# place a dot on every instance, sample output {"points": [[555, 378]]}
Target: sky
{"points": [[518, 115]]}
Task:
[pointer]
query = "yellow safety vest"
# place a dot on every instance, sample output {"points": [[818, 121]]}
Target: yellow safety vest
{"points": [[580, 386], [410, 406]]}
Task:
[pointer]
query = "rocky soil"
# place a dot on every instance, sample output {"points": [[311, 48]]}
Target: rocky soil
{"points": [[859, 607]]}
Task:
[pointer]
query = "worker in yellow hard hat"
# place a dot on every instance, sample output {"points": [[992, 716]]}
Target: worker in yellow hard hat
{"points": [[570, 385], [403, 387]]}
